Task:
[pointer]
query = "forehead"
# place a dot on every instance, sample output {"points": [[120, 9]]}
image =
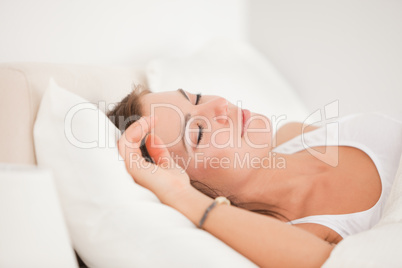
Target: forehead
{"points": [[168, 102], [161, 97], [169, 108]]}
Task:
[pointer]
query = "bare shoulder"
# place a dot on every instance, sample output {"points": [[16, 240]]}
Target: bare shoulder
{"points": [[291, 130]]}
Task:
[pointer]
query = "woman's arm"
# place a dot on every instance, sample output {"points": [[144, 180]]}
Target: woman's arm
{"points": [[264, 240]]}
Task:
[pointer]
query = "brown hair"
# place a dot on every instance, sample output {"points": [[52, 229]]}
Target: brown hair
{"points": [[129, 110], [269, 210]]}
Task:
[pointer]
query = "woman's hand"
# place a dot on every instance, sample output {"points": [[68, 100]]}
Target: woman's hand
{"points": [[264, 240], [167, 180]]}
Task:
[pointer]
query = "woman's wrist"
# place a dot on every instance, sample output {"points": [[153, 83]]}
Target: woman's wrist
{"points": [[191, 203]]}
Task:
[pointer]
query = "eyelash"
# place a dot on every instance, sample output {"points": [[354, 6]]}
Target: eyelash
{"points": [[200, 133], [197, 100], [201, 128]]}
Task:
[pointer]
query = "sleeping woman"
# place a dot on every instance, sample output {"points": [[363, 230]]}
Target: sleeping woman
{"points": [[280, 200]]}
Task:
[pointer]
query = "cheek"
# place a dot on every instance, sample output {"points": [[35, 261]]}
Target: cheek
{"points": [[209, 165], [222, 139]]}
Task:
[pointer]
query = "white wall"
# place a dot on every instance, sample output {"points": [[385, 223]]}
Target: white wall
{"points": [[337, 49], [113, 31], [349, 50]]}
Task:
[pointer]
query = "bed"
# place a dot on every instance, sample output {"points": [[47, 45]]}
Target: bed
{"points": [[58, 123]]}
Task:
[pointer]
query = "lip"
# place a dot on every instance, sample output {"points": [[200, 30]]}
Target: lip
{"points": [[246, 114]]}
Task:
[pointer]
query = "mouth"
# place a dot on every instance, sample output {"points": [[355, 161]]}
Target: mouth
{"points": [[246, 114]]}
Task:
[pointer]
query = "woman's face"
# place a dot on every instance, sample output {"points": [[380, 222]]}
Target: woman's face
{"points": [[216, 142]]}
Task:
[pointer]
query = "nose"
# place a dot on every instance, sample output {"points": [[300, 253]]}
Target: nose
{"points": [[217, 108]]}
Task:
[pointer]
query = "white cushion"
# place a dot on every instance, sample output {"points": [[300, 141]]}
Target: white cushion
{"points": [[380, 246], [112, 221], [22, 86], [232, 70]]}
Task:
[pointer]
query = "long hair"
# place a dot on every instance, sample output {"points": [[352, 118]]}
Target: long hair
{"points": [[129, 109], [268, 210]]}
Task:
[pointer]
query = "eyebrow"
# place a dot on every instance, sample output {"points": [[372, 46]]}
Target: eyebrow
{"points": [[183, 93], [186, 119]]}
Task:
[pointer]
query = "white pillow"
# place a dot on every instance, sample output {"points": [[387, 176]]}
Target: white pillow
{"points": [[232, 70], [112, 221], [380, 246]]}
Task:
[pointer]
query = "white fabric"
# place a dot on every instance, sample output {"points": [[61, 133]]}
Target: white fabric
{"points": [[379, 136], [380, 246], [22, 86], [112, 221], [232, 70], [33, 231]]}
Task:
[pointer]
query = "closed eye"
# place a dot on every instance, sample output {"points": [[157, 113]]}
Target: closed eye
{"points": [[197, 100], [200, 133]]}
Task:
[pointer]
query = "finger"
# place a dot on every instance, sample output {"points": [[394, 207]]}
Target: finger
{"points": [[159, 152], [139, 169], [137, 131], [131, 138], [157, 149]]}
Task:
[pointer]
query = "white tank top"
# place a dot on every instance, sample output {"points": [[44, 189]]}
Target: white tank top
{"points": [[380, 137]]}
